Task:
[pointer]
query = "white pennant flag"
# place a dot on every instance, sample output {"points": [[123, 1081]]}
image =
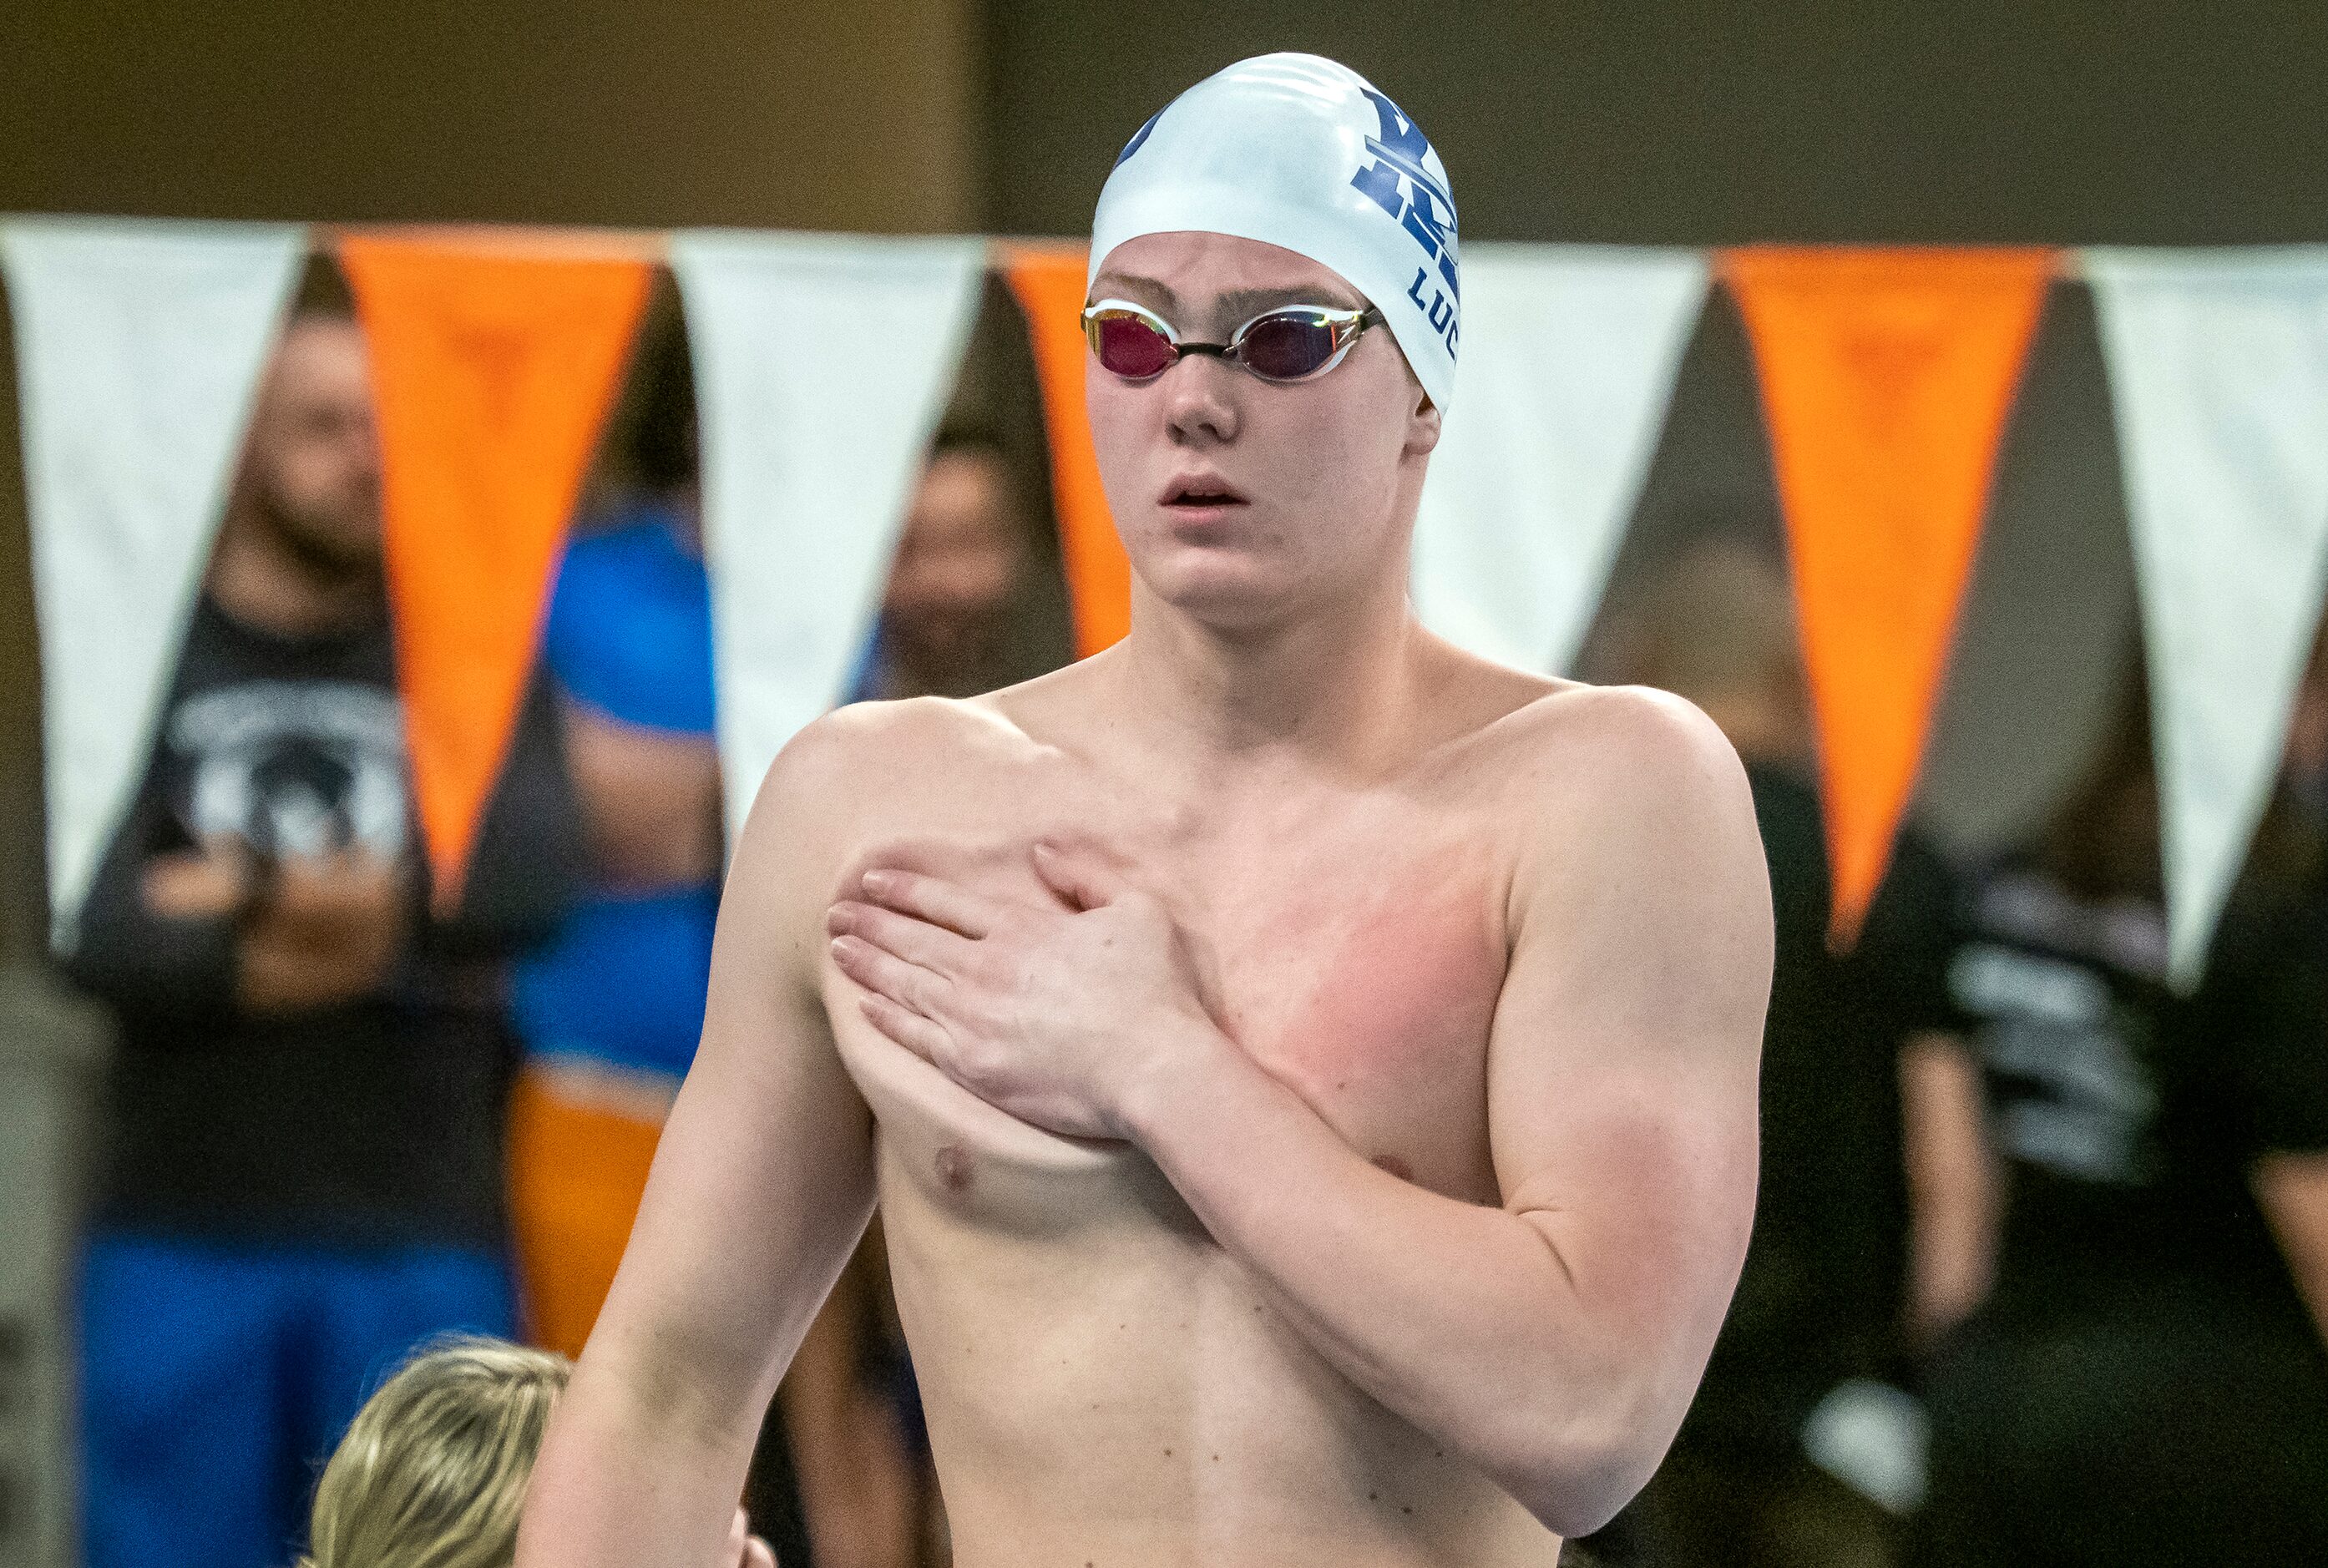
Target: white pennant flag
{"points": [[2219, 376], [822, 363], [1569, 355], [138, 350]]}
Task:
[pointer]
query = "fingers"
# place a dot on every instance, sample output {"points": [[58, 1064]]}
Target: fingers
{"points": [[190, 885], [910, 1029], [350, 879], [911, 938], [1078, 879], [933, 899], [744, 1549], [886, 975]]}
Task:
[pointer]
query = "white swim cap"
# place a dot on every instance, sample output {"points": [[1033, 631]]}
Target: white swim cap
{"points": [[1296, 151]]}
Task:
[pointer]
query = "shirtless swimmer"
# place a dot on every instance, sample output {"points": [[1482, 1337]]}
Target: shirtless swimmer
{"points": [[1308, 1073]]}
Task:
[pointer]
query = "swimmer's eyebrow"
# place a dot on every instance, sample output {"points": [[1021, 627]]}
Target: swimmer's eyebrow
{"points": [[1241, 305], [1121, 283], [1245, 304]]}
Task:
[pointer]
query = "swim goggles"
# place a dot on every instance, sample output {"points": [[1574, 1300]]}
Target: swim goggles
{"points": [[1291, 343]]}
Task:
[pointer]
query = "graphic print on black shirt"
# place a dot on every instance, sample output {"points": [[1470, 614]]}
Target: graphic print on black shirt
{"points": [[2069, 1060], [2130, 1117], [295, 767], [2144, 1383], [374, 1120]]}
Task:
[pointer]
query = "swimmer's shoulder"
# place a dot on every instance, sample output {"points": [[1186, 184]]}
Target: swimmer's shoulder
{"points": [[1575, 744], [868, 752], [1631, 784], [843, 780], [859, 769]]}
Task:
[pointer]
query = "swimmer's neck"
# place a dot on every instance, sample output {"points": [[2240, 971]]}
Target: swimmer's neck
{"points": [[1335, 691]]}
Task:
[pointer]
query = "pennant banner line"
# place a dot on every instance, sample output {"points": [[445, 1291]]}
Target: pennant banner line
{"points": [[1886, 376]]}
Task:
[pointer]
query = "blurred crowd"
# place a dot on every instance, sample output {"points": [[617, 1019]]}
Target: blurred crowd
{"points": [[2039, 1270]]}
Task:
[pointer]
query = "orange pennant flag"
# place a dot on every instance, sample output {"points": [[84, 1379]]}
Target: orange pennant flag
{"points": [[493, 365], [1048, 282], [1887, 376]]}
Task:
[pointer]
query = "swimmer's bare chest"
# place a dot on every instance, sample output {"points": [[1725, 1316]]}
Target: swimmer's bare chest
{"points": [[1097, 1373]]}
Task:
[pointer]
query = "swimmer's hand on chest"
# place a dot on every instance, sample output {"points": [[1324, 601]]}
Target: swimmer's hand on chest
{"points": [[1058, 1016]]}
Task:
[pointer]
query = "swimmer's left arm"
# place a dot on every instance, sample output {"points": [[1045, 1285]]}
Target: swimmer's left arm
{"points": [[1554, 1342]]}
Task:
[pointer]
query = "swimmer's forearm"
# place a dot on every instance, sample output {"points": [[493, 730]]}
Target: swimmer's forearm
{"points": [[1468, 1321]]}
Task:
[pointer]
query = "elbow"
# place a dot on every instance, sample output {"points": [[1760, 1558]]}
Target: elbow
{"points": [[1573, 1473], [1577, 1492]]}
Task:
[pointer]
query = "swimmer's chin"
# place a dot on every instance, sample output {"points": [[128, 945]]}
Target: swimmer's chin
{"points": [[1228, 585]]}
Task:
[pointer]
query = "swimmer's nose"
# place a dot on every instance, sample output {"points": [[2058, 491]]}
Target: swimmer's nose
{"points": [[1200, 400]]}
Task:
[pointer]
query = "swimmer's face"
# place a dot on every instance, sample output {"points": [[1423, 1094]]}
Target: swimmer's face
{"points": [[1304, 493]]}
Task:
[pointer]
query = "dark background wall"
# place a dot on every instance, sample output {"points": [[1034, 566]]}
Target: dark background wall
{"points": [[843, 114], [1685, 121], [1716, 121]]}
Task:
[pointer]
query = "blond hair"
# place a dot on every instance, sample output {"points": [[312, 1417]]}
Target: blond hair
{"points": [[432, 1472]]}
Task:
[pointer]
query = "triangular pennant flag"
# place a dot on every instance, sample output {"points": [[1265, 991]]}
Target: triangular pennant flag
{"points": [[2219, 378], [138, 349], [1568, 360], [823, 365], [1048, 282], [1886, 377], [494, 363]]}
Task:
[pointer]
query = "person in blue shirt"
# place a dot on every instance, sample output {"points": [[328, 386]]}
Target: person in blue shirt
{"points": [[611, 1008]]}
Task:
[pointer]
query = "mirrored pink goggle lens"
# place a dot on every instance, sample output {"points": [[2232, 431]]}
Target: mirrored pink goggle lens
{"points": [[1129, 346]]}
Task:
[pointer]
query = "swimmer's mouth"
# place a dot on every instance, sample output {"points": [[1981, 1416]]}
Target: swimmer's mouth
{"points": [[1195, 493]]}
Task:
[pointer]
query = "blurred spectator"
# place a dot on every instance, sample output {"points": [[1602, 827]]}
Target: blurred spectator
{"points": [[611, 1007], [433, 1470], [965, 560], [306, 1174], [1818, 1316], [2148, 1379], [977, 597]]}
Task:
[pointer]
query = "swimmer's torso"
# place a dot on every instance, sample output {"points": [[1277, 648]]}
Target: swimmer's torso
{"points": [[1103, 1384]]}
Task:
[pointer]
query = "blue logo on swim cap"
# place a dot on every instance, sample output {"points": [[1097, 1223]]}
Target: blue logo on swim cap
{"points": [[1397, 183], [1139, 138]]}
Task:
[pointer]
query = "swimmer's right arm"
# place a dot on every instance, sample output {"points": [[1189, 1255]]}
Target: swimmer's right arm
{"points": [[761, 1187]]}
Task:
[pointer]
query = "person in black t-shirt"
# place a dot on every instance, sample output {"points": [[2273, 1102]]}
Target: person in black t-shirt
{"points": [[2147, 1381], [1824, 1295], [304, 1177]]}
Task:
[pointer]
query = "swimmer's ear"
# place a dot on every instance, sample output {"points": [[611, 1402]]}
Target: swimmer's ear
{"points": [[1080, 883], [1422, 421]]}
